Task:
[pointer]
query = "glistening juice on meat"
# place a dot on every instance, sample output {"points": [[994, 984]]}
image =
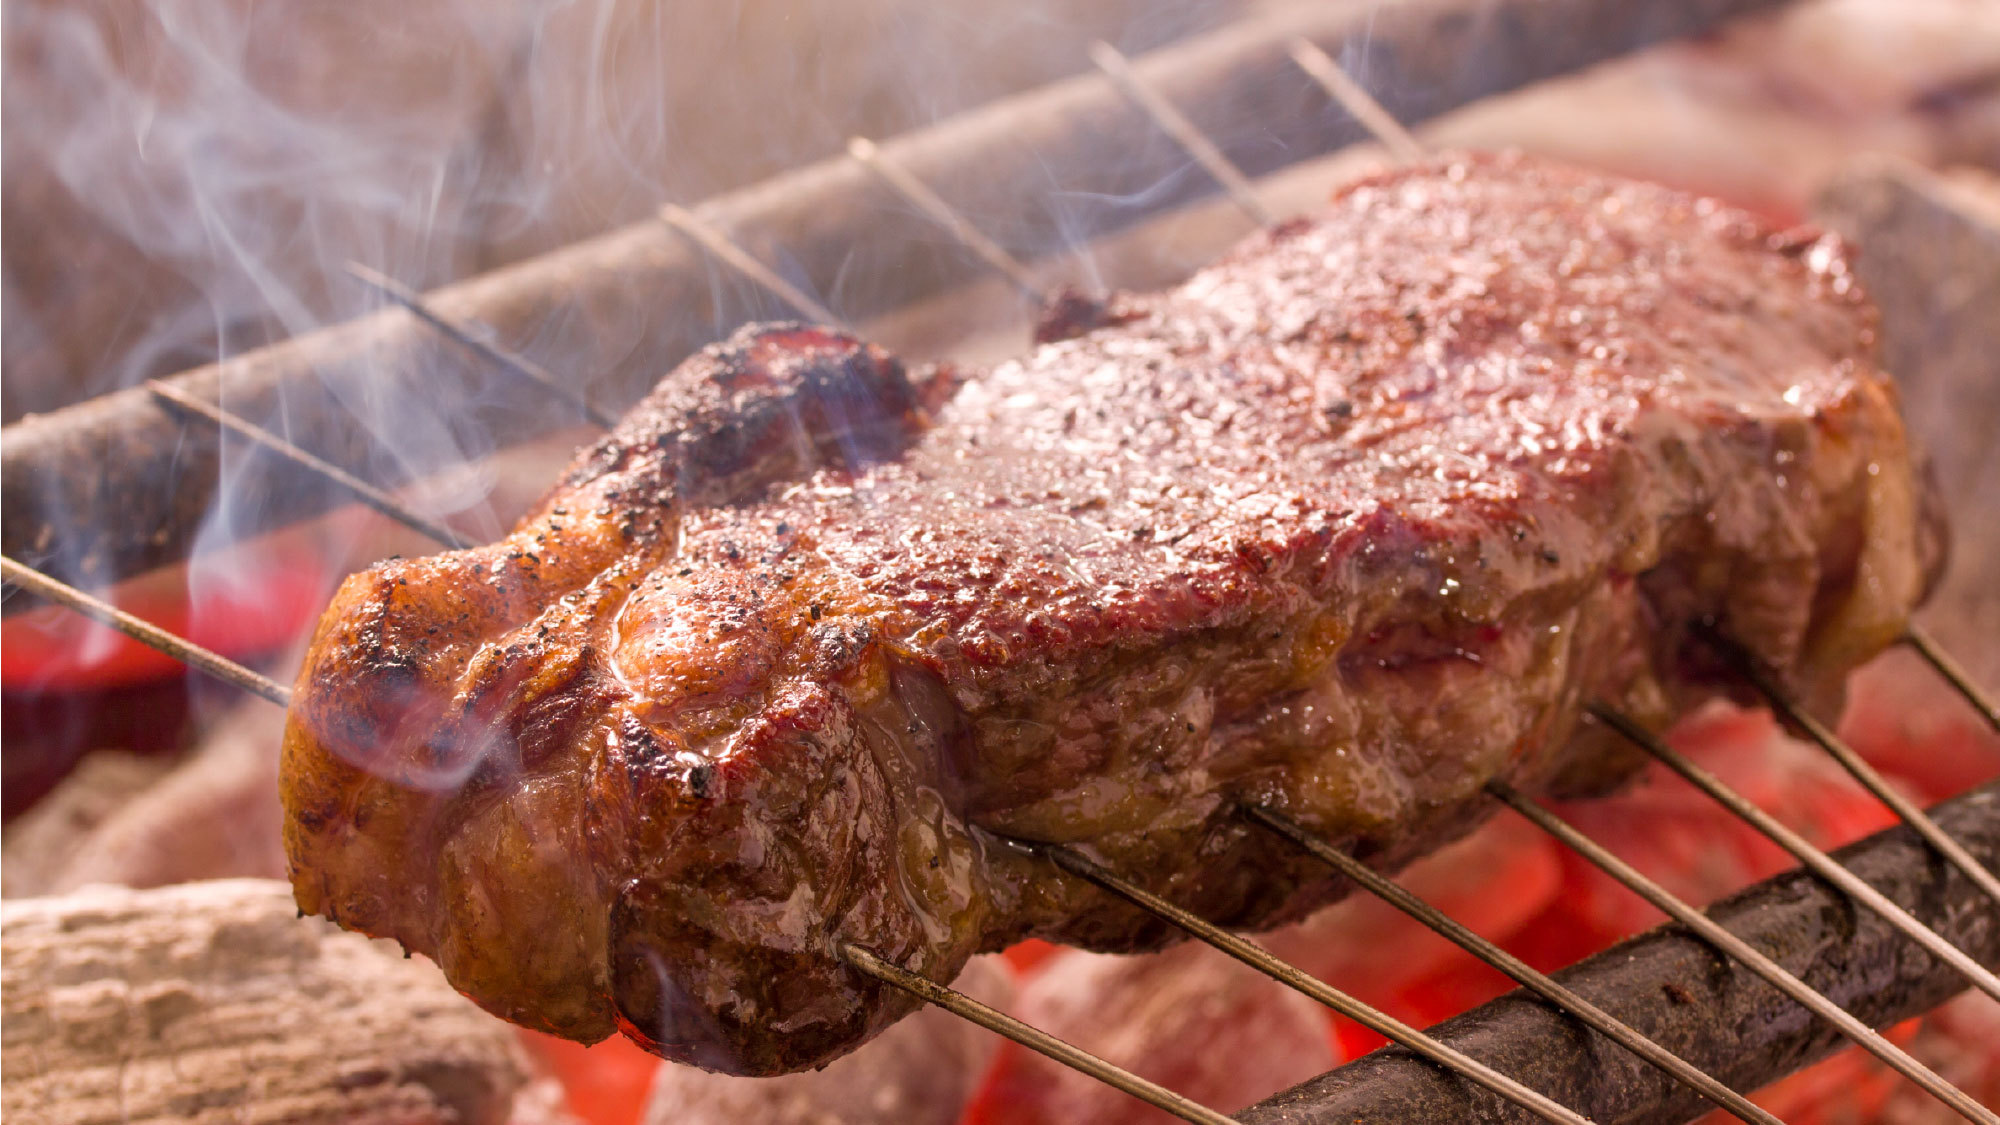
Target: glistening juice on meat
{"points": [[1349, 524]]}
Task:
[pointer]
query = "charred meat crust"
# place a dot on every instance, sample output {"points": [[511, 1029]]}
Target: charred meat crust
{"points": [[1351, 523]]}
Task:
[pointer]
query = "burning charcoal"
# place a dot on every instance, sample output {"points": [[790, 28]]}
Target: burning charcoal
{"points": [[1695, 848], [217, 1001], [1963, 1040], [1162, 1016], [1493, 881], [923, 1071], [602, 1084], [1960, 1040], [1911, 725]]}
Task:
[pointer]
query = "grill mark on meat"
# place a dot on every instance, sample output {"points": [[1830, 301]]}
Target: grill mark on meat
{"points": [[1349, 524]]}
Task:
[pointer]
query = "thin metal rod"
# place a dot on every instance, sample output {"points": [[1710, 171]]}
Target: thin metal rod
{"points": [[177, 399], [1359, 103], [965, 1007], [1743, 952], [1870, 779], [930, 203], [1815, 860], [479, 342], [1176, 125], [1955, 674], [145, 632], [1261, 960], [1451, 928], [716, 243]]}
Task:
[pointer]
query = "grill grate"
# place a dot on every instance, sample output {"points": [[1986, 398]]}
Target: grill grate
{"points": [[1564, 998], [1905, 809], [1238, 186], [1300, 981], [1867, 1038], [1813, 858], [1045, 171]]}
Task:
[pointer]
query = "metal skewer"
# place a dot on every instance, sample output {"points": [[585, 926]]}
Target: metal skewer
{"points": [[865, 153], [965, 1007], [1259, 959], [479, 342], [1401, 143], [368, 494], [718, 244], [145, 632], [1816, 860], [1455, 931], [1773, 973], [1854, 764], [1954, 674], [1176, 125]]}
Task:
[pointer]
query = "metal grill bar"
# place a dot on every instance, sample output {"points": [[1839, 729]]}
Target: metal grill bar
{"points": [[1747, 667], [718, 244], [1816, 860], [1257, 958], [145, 632], [965, 1007], [1401, 143], [1176, 125], [480, 342], [1954, 674], [930, 203], [368, 494], [1454, 930], [1775, 974]]}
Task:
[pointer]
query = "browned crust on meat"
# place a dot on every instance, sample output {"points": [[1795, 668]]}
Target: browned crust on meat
{"points": [[1351, 523]]}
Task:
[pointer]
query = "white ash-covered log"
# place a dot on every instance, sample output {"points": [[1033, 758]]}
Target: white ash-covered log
{"points": [[216, 1002], [1930, 257], [148, 821]]}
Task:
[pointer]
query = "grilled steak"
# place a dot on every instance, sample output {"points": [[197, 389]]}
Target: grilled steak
{"points": [[1348, 524]]}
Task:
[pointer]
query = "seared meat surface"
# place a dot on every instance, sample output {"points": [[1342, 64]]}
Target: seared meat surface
{"points": [[1349, 524]]}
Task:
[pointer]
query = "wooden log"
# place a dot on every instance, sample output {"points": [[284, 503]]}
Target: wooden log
{"points": [[216, 1002]]}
